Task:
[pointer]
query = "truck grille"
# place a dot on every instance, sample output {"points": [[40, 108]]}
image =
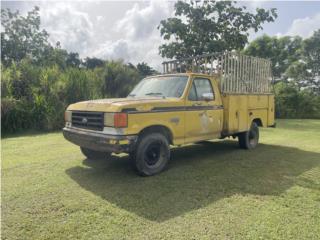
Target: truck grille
{"points": [[88, 120]]}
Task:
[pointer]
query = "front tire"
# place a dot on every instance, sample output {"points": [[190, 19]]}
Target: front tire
{"points": [[152, 154], [94, 155], [249, 139]]}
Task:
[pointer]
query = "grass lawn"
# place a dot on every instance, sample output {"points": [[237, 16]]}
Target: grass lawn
{"points": [[210, 191]]}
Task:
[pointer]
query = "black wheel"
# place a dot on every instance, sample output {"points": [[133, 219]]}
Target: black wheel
{"points": [[94, 155], [249, 139], [152, 154]]}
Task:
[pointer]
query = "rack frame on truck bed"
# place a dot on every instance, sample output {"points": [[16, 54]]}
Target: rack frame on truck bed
{"points": [[238, 73]]}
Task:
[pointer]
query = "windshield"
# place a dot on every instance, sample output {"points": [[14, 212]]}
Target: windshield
{"points": [[169, 86]]}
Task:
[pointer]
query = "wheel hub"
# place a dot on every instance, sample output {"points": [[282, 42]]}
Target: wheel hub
{"points": [[152, 154]]}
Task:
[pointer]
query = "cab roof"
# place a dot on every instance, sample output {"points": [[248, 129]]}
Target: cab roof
{"points": [[184, 74]]}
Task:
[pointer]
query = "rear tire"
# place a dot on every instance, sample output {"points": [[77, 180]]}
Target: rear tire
{"points": [[152, 154], [249, 139], [94, 155]]}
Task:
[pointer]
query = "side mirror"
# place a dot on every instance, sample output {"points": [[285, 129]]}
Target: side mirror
{"points": [[207, 97]]}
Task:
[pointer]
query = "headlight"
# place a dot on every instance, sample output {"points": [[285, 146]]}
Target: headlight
{"points": [[67, 116], [109, 119], [117, 120]]}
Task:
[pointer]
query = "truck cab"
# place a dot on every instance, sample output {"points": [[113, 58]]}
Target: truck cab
{"points": [[169, 109]]}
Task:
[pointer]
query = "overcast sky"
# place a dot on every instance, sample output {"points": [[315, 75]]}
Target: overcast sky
{"points": [[128, 29]]}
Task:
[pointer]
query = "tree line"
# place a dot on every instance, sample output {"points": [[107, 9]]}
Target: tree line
{"points": [[39, 80]]}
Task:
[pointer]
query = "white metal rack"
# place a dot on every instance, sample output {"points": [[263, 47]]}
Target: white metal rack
{"points": [[238, 73]]}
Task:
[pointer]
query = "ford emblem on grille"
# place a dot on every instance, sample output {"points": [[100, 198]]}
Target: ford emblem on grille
{"points": [[84, 120]]}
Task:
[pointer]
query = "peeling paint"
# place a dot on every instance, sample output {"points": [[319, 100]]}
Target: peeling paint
{"points": [[204, 122], [175, 120]]}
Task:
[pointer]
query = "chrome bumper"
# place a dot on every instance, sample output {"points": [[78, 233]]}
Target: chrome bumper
{"points": [[100, 141]]}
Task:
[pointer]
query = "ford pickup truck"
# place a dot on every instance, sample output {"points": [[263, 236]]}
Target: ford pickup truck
{"points": [[219, 97]]}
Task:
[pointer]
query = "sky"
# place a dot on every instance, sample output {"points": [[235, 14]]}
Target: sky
{"points": [[128, 29]]}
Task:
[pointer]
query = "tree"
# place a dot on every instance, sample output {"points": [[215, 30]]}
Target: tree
{"points": [[91, 63], [22, 36], [209, 26], [145, 70], [281, 51], [304, 71], [56, 56], [311, 51], [73, 60], [293, 59]]}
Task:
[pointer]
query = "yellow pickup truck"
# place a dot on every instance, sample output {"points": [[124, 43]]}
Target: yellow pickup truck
{"points": [[219, 97]]}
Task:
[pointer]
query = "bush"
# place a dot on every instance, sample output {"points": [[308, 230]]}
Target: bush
{"points": [[118, 78], [292, 103], [36, 97], [15, 115]]}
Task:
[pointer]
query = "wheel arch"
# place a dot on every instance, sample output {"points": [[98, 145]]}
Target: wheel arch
{"points": [[258, 122], [159, 129]]}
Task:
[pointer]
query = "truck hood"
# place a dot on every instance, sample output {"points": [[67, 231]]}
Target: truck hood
{"points": [[120, 104]]}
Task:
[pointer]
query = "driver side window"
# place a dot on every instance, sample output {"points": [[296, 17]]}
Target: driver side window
{"points": [[200, 87]]}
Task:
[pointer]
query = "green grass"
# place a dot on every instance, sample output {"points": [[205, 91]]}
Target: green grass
{"points": [[210, 191]]}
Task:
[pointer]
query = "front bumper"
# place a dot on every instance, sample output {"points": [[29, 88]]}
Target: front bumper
{"points": [[100, 141]]}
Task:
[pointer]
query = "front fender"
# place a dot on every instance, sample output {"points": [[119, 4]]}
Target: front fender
{"points": [[174, 121]]}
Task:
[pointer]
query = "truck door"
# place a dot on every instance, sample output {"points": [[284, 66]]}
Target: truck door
{"points": [[202, 120]]}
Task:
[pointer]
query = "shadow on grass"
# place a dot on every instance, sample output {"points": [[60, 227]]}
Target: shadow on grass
{"points": [[198, 175]]}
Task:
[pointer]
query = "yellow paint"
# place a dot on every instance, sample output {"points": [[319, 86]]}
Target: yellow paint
{"points": [[202, 124], [124, 141], [190, 126], [241, 109], [111, 141]]}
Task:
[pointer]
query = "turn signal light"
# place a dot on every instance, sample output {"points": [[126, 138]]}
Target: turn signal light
{"points": [[120, 120]]}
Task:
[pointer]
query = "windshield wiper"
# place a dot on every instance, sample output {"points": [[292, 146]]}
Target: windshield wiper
{"points": [[153, 93], [131, 95]]}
